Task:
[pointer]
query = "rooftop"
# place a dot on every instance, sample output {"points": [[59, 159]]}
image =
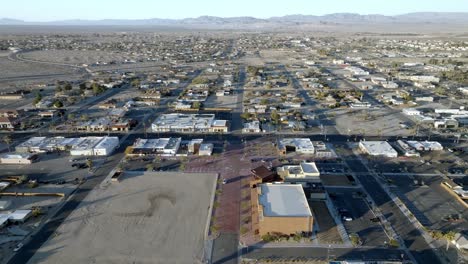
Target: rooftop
{"points": [[284, 200]]}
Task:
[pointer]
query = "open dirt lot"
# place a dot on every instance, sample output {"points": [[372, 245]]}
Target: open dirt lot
{"points": [[146, 218]]}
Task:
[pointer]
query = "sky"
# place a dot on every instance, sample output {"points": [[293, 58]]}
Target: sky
{"points": [[50, 10]]}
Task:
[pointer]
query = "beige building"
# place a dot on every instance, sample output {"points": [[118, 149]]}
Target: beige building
{"points": [[306, 171], [282, 208]]}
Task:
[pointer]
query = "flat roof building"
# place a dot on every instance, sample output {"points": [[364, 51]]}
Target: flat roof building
{"points": [[306, 171], [378, 148], [283, 208], [299, 145], [189, 123]]}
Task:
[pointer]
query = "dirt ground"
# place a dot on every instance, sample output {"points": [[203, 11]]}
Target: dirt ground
{"points": [[145, 218]]}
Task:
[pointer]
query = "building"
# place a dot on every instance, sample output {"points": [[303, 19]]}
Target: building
{"points": [[159, 146], [189, 123], [323, 151], [378, 148], [18, 158], [263, 174], [106, 146], [205, 149], [407, 150], [305, 171], [461, 240], [83, 146], [425, 145], [252, 127], [411, 112], [298, 145], [19, 216], [7, 123], [283, 208]]}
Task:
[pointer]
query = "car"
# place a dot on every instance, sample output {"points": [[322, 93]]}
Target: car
{"points": [[18, 247], [346, 217], [224, 181]]}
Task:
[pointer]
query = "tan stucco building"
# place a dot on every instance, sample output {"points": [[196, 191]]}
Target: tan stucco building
{"points": [[282, 208]]}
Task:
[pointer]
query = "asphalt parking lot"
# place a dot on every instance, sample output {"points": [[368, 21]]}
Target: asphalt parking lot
{"points": [[328, 232], [429, 202], [351, 203], [338, 180]]}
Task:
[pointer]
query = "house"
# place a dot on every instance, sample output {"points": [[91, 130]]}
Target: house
{"points": [[47, 114], [7, 123], [12, 113], [282, 208], [252, 127], [378, 148]]}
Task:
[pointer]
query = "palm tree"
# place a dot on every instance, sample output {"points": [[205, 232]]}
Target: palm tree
{"points": [[8, 140]]}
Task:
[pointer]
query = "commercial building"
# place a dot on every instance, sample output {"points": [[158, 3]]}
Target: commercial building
{"points": [[298, 145], [283, 208], [17, 158], [170, 147], [378, 148], [305, 171], [425, 145], [83, 146], [206, 149], [189, 123], [159, 146]]}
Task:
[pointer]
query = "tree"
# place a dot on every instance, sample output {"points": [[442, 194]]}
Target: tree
{"points": [[68, 86], [8, 140], [196, 105], [150, 167], [245, 115], [71, 116], [89, 164], [136, 82], [82, 86], [58, 104], [37, 99], [22, 179], [275, 117]]}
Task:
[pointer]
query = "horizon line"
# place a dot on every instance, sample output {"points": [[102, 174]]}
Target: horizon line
{"points": [[227, 17]]}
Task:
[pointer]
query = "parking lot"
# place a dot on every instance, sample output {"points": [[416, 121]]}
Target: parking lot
{"points": [[357, 215], [338, 180], [430, 203], [327, 230]]}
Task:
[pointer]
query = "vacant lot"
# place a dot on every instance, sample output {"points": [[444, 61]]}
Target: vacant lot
{"points": [[146, 218]]}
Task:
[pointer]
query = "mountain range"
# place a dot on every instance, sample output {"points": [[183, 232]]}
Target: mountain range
{"points": [[213, 21]]}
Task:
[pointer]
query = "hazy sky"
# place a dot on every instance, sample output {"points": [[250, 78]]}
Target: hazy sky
{"points": [[46, 10]]}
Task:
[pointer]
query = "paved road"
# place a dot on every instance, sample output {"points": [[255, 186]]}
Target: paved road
{"points": [[324, 253], [412, 237]]}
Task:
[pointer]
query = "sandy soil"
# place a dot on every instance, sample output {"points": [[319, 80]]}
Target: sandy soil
{"points": [[146, 218]]}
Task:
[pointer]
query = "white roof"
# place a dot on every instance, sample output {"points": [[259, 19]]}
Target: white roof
{"points": [[378, 147], [301, 144], [3, 219], [284, 200], [20, 214], [309, 167]]}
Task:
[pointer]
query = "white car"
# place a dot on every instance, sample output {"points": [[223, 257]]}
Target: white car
{"points": [[18, 247]]}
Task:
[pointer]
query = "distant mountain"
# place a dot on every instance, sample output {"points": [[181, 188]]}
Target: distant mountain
{"points": [[213, 21]]}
